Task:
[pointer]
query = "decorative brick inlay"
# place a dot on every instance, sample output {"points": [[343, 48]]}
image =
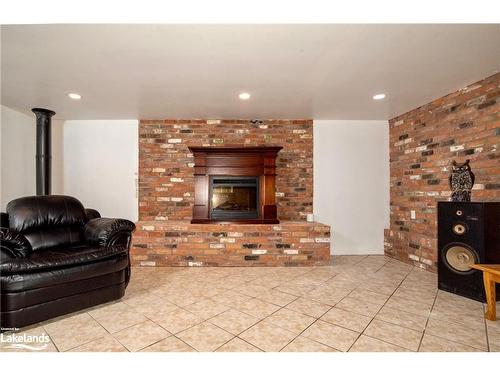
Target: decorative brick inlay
{"points": [[180, 243], [423, 142], [166, 182]]}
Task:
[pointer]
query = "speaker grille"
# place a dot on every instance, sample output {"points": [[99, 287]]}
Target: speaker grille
{"points": [[460, 257]]}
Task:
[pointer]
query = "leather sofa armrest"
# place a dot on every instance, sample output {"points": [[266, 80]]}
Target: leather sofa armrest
{"points": [[14, 244], [92, 214], [108, 232]]}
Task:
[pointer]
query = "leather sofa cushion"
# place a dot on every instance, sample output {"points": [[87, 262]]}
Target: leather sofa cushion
{"points": [[29, 281], [54, 259], [37, 212], [47, 238], [28, 297]]}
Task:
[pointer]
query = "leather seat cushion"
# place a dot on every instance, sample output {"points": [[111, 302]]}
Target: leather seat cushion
{"points": [[21, 299], [47, 238], [58, 258], [26, 281]]}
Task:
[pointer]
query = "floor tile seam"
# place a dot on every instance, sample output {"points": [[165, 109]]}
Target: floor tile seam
{"points": [[51, 339], [113, 334], [455, 341], [135, 324], [381, 307], [486, 329], [178, 338], [387, 342], [443, 338], [452, 341], [317, 319], [261, 320], [455, 321], [84, 343], [194, 325], [237, 337]]}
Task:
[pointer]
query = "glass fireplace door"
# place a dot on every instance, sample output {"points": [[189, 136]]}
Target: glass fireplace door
{"points": [[233, 197]]}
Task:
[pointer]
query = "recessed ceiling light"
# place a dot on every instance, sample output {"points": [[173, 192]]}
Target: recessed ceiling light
{"points": [[379, 96], [244, 96], [74, 96]]}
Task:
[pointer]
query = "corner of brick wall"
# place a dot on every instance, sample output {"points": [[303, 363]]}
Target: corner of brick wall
{"points": [[423, 142]]}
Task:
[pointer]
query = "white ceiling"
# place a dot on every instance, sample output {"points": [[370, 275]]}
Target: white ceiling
{"points": [[197, 71]]}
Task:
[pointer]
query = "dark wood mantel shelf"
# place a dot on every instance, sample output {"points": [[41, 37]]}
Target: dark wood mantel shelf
{"points": [[235, 161], [237, 150]]}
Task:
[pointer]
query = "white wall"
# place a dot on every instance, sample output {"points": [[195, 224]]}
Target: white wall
{"points": [[101, 164], [95, 161], [351, 183], [18, 150], [18, 155], [57, 156]]}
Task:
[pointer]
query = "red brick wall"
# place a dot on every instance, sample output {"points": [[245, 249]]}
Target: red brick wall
{"points": [[423, 142], [166, 165]]}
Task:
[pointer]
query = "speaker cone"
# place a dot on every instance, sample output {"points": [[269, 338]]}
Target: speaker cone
{"points": [[459, 258], [459, 229]]}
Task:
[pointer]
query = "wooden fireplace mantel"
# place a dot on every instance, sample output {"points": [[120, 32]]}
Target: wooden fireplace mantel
{"points": [[235, 161]]}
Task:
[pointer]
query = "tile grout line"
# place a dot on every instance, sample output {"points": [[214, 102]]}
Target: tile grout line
{"points": [[316, 318], [51, 339], [450, 339], [381, 307], [427, 321], [332, 306], [486, 329], [280, 308], [231, 308], [159, 325], [147, 319], [86, 311], [103, 336], [207, 320]]}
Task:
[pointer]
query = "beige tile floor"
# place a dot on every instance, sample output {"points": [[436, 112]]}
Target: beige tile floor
{"points": [[359, 303]]}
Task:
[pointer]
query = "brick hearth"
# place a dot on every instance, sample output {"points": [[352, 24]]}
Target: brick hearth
{"points": [[180, 243]]}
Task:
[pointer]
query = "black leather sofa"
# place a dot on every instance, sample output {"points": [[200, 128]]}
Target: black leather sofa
{"points": [[58, 257]]}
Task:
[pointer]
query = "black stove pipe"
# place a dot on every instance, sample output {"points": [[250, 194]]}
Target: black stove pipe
{"points": [[43, 150]]}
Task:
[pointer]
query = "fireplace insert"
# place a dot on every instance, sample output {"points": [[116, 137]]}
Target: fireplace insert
{"points": [[234, 197]]}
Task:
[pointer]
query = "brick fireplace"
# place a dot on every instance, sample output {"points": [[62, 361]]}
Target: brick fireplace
{"points": [[169, 235]]}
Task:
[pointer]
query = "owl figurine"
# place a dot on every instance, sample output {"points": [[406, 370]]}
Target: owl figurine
{"points": [[461, 182]]}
